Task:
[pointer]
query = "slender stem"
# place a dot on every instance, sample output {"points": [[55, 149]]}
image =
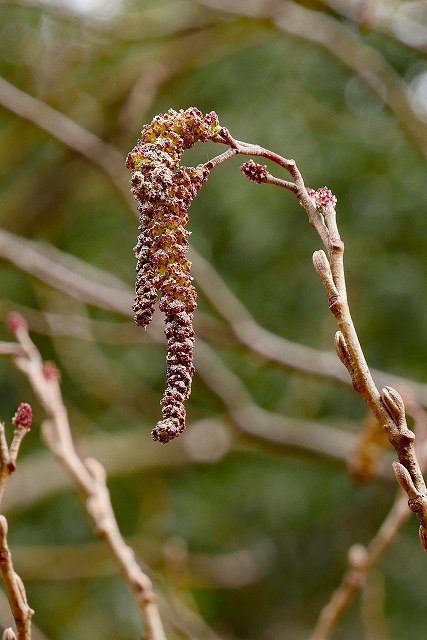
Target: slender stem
{"points": [[22, 613], [90, 477]]}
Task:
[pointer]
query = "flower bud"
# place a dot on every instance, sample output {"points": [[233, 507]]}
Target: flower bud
{"points": [[23, 416], [15, 321], [324, 197], [254, 171]]}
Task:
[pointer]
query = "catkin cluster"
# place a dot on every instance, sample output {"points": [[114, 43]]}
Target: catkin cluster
{"points": [[164, 191]]}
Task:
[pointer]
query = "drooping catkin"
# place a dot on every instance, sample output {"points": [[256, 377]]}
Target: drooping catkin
{"points": [[164, 191]]}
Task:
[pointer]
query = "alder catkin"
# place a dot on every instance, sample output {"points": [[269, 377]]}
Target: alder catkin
{"points": [[164, 191]]}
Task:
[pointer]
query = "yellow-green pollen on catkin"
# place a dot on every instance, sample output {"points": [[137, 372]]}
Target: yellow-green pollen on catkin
{"points": [[164, 191]]}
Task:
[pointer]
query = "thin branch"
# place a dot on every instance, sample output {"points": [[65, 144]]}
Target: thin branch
{"points": [[21, 611], [66, 273], [387, 406], [268, 429], [15, 589], [360, 560], [10, 349], [90, 478]]}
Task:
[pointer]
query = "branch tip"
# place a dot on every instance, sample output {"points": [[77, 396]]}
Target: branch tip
{"points": [[321, 263], [16, 322], [357, 556]]}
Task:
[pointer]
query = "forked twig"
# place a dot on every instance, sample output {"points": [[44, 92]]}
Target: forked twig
{"points": [[88, 475], [387, 405]]}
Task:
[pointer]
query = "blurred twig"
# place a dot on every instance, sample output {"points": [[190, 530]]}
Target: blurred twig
{"points": [[146, 24], [360, 561], [68, 132], [89, 476], [343, 44], [21, 611], [264, 427]]}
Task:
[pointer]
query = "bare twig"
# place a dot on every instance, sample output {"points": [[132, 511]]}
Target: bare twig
{"points": [[14, 587], [264, 427], [387, 406], [360, 560], [89, 476]]}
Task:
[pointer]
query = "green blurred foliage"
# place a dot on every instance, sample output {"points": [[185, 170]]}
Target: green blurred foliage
{"points": [[300, 512]]}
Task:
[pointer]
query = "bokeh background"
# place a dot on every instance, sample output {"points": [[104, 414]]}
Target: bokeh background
{"points": [[244, 523]]}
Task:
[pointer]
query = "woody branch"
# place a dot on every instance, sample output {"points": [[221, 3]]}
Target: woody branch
{"points": [[89, 475], [387, 404]]}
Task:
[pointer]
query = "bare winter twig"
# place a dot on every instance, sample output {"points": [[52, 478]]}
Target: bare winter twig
{"points": [[387, 406], [89, 476]]}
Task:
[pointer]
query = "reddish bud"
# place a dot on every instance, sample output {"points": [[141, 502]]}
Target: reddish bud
{"points": [[51, 371], [15, 321], [23, 416], [254, 171], [324, 197]]}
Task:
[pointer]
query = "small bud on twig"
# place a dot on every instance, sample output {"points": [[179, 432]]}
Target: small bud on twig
{"points": [[96, 470], [325, 197], [357, 556], [404, 479], [3, 527], [51, 371], [15, 321], [394, 404], [321, 264], [342, 350], [23, 416], [254, 171]]}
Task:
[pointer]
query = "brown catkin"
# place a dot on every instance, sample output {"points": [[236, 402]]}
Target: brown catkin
{"points": [[164, 191]]}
